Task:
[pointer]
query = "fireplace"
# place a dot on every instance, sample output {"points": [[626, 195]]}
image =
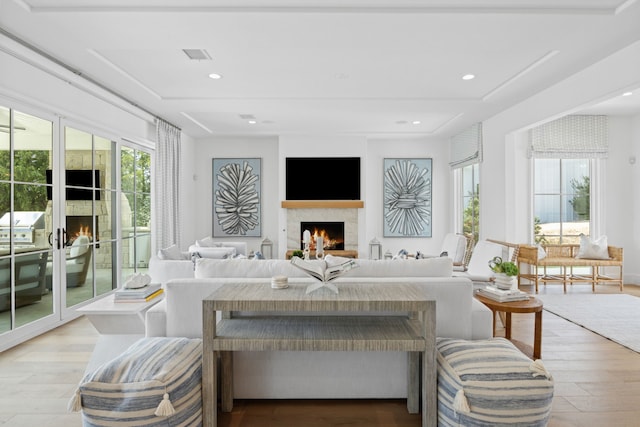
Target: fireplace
{"points": [[80, 225], [332, 234]]}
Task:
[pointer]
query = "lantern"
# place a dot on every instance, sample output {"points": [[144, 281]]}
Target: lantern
{"points": [[375, 249], [266, 247]]}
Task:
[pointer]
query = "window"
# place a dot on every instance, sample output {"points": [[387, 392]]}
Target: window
{"points": [[561, 200], [465, 159], [135, 178], [470, 183], [566, 153]]}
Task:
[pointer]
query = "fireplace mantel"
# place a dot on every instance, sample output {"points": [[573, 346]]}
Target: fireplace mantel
{"points": [[322, 204]]}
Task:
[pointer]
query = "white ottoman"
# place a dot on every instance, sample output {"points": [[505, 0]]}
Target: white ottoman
{"points": [[155, 382], [490, 383]]}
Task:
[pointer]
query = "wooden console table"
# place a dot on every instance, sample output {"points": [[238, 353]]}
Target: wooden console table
{"points": [[414, 334]]}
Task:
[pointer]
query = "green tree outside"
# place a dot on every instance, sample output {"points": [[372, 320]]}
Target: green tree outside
{"points": [[580, 203]]}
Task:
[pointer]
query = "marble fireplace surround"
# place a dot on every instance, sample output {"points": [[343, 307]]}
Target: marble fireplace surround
{"points": [[323, 211]]}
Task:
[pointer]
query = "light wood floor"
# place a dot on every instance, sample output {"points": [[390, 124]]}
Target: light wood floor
{"points": [[596, 382]]}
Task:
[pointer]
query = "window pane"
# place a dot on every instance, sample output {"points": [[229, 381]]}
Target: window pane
{"points": [[104, 267], [547, 176], [143, 211], [32, 147], [127, 169], [5, 159], [561, 200], [32, 301]]}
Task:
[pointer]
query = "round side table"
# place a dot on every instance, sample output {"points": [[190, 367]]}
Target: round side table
{"points": [[532, 305]]}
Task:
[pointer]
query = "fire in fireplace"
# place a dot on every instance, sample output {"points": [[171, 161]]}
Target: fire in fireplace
{"points": [[81, 225], [332, 234]]}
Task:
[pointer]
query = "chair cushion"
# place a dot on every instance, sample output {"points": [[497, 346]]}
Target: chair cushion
{"points": [[490, 382], [455, 245], [79, 247], [129, 389]]}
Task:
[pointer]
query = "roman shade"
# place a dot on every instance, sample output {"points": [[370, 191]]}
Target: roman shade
{"points": [[571, 137], [466, 147]]}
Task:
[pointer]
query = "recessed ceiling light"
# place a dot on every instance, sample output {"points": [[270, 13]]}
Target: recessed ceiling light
{"points": [[252, 122], [415, 122], [627, 94], [215, 76], [468, 77]]}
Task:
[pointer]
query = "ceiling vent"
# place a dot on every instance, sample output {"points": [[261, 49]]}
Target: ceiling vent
{"points": [[197, 54], [247, 116]]}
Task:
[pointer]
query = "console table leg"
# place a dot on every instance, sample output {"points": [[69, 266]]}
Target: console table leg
{"points": [[413, 382], [209, 370], [226, 380]]}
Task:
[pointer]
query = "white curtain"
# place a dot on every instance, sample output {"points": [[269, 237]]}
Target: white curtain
{"points": [[167, 181], [571, 137], [466, 147]]}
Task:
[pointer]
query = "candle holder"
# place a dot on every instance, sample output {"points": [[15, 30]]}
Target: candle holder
{"points": [[319, 248]]}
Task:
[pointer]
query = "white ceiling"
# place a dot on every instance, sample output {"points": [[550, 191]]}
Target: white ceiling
{"points": [[352, 67]]}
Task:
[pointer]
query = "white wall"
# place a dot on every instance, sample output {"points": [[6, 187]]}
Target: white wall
{"points": [[199, 176], [273, 153]]}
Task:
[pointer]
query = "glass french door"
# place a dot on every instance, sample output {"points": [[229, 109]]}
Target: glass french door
{"points": [[84, 239], [57, 220]]}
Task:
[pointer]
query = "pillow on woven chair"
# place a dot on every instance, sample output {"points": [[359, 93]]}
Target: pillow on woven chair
{"points": [[593, 249]]}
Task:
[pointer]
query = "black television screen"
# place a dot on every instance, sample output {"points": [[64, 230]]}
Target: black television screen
{"points": [[323, 178], [77, 178]]}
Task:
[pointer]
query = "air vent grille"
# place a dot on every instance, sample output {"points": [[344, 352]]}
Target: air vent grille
{"points": [[247, 116], [197, 54]]}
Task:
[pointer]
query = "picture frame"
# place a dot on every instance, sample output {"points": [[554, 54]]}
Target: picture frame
{"points": [[237, 199], [407, 197]]}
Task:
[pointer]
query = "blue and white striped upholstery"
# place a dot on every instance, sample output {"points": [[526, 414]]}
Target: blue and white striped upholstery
{"points": [[128, 390], [490, 383]]}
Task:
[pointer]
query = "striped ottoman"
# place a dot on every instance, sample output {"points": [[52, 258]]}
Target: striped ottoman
{"points": [[490, 383], [155, 382]]}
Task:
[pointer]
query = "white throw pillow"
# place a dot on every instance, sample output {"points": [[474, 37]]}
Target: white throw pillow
{"points": [[172, 252], [207, 242], [593, 249], [214, 253], [542, 254]]}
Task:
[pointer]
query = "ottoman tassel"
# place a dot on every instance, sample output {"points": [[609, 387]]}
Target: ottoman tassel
{"points": [[75, 403], [460, 403], [165, 408], [538, 369]]}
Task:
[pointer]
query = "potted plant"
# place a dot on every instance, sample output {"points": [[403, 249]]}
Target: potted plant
{"points": [[505, 272]]}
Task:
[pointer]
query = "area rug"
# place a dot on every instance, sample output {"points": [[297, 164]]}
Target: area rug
{"points": [[614, 316]]}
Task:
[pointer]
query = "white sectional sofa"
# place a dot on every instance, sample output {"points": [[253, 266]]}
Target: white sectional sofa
{"points": [[321, 374]]}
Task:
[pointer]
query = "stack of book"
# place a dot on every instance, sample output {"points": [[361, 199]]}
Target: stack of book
{"points": [[501, 295], [143, 294]]}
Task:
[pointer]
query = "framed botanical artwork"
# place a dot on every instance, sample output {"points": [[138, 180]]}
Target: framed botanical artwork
{"points": [[237, 198], [407, 197]]}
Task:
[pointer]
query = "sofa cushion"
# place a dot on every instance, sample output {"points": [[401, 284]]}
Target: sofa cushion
{"points": [[429, 267], [208, 268], [155, 382]]}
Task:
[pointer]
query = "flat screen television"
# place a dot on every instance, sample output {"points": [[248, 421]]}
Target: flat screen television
{"points": [[322, 178], [77, 178]]}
